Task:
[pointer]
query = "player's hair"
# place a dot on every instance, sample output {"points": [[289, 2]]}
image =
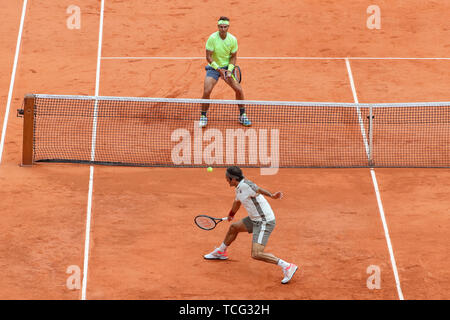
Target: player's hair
{"points": [[223, 18], [235, 172]]}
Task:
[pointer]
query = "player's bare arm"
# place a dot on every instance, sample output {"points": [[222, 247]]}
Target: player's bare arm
{"points": [[209, 56], [210, 60], [234, 208], [276, 195]]}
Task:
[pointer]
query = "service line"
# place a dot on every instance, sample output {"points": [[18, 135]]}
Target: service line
{"points": [[279, 58]]}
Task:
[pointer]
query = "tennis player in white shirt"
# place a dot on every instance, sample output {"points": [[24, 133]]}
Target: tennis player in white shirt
{"points": [[260, 221]]}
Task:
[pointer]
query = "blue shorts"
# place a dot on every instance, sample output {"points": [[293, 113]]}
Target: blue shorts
{"points": [[213, 73]]}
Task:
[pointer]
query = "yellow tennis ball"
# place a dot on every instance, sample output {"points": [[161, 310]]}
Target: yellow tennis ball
{"points": [[209, 169]]}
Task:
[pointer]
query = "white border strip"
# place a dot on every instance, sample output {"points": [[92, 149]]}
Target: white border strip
{"points": [[278, 58], [380, 203], [13, 77], [247, 102], [91, 169]]}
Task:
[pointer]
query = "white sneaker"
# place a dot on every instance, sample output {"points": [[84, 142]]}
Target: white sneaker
{"points": [[244, 120], [216, 255], [289, 273], [203, 121]]}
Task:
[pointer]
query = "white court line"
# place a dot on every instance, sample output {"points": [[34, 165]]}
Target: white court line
{"points": [[386, 233], [91, 169], [380, 203], [88, 231], [358, 109], [278, 58], [13, 77]]}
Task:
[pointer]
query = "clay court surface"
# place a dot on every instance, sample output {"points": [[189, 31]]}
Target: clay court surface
{"points": [[142, 241]]}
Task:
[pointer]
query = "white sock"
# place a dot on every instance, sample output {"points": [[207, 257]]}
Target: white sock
{"points": [[223, 247], [283, 264]]}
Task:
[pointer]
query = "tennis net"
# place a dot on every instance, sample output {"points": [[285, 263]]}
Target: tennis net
{"points": [[166, 132]]}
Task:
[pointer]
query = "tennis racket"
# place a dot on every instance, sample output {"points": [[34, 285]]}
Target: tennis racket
{"points": [[237, 75], [206, 222]]}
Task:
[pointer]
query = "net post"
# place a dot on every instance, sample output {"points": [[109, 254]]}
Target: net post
{"points": [[28, 132], [371, 162]]}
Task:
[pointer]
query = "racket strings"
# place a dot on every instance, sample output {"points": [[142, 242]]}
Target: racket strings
{"points": [[237, 74], [205, 222]]}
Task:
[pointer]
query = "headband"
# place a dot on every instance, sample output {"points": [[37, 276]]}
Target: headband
{"points": [[223, 22]]}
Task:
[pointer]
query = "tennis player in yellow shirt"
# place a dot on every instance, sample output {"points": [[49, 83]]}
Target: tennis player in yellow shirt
{"points": [[221, 53]]}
